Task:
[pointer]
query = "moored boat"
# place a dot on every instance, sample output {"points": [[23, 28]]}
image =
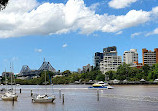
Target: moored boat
{"points": [[9, 96], [43, 98]]}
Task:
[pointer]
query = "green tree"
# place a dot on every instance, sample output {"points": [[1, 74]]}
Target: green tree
{"points": [[111, 75], [66, 73], [123, 71], [74, 77], [146, 69], [100, 77]]}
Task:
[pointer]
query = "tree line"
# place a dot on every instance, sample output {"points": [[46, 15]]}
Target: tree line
{"points": [[125, 72]]}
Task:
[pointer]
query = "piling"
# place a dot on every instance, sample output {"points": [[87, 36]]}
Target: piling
{"points": [[60, 93], [13, 100], [31, 93], [20, 90], [63, 98], [97, 94]]}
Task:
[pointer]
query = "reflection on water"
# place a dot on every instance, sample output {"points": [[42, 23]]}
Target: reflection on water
{"points": [[80, 98], [129, 97]]}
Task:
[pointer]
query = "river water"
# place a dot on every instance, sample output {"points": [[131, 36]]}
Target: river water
{"points": [[80, 98]]}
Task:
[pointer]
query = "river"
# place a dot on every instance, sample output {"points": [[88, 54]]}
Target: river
{"points": [[80, 98]]}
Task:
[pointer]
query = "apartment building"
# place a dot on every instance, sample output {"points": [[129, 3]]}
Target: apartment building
{"points": [[130, 57], [150, 57]]}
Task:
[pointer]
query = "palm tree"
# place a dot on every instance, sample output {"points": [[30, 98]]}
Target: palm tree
{"points": [[3, 4]]}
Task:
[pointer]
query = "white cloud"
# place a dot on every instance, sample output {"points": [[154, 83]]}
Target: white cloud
{"points": [[155, 11], [117, 4], [94, 6], [155, 31], [64, 45], [28, 17], [118, 33], [135, 34], [38, 50], [132, 18]]}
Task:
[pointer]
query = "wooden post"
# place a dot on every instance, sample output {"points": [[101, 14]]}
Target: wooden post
{"points": [[13, 100], [31, 93], [63, 98], [20, 90], [97, 94], [60, 93]]}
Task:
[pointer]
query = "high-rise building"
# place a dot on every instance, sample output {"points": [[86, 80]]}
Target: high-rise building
{"points": [[130, 57], [110, 63], [110, 60], [150, 57], [97, 59], [110, 51]]}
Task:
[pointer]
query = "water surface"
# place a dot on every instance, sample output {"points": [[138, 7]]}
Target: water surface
{"points": [[80, 98]]}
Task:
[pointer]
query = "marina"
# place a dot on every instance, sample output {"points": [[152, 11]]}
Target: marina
{"points": [[80, 98]]}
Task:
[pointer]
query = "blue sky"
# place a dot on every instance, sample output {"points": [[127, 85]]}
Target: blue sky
{"points": [[67, 33]]}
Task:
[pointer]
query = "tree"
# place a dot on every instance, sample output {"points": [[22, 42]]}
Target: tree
{"points": [[66, 73], [100, 77], [123, 71], [111, 75], [3, 4], [146, 69]]}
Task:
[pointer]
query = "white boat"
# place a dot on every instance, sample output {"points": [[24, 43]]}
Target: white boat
{"points": [[43, 98], [101, 84], [9, 96]]}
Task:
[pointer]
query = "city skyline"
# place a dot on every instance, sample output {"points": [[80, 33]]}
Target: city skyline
{"points": [[71, 42]]}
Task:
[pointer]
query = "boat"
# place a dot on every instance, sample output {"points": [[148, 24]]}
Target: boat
{"points": [[9, 95], [43, 98], [101, 85]]}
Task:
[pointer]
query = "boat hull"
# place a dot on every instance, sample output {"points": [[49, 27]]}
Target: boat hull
{"points": [[10, 98], [99, 87], [43, 100]]}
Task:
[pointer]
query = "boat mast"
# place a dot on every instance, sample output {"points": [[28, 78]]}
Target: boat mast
{"points": [[5, 78], [11, 76], [45, 82]]}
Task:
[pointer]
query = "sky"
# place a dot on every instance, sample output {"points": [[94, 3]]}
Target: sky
{"points": [[67, 33]]}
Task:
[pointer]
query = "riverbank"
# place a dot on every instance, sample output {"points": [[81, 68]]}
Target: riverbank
{"points": [[123, 83]]}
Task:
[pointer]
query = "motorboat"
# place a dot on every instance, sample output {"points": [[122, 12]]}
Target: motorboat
{"points": [[101, 84], [9, 96], [43, 98]]}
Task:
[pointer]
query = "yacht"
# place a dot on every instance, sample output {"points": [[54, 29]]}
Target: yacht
{"points": [[101, 84], [43, 98], [9, 96]]}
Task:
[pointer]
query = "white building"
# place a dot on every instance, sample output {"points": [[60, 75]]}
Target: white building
{"points": [[110, 63], [130, 57]]}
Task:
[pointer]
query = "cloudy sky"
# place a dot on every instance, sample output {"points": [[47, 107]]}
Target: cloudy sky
{"points": [[67, 33]]}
